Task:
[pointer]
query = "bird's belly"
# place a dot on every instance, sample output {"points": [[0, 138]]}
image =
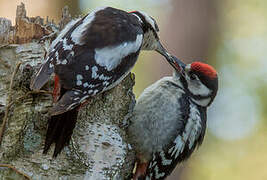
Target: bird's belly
{"points": [[156, 128]]}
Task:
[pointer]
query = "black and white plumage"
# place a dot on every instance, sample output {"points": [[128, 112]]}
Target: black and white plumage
{"points": [[91, 55], [169, 119]]}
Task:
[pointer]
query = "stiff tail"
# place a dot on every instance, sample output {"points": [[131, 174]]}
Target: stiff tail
{"points": [[63, 117], [60, 129]]}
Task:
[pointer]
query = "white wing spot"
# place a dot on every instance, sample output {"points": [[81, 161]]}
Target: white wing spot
{"points": [[66, 46], [105, 83], [64, 62], [96, 91], [154, 157], [51, 65], [179, 146], [85, 84], [79, 77], [94, 72], [57, 58], [91, 86], [191, 133], [86, 67], [154, 163], [79, 83], [157, 174], [72, 53], [102, 77], [164, 160]]}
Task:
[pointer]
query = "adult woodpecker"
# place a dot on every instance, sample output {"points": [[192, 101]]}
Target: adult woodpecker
{"points": [[91, 55], [169, 119]]}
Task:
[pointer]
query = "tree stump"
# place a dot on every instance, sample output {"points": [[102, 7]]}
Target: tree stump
{"points": [[98, 150]]}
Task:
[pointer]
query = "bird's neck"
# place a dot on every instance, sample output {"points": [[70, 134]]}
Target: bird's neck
{"points": [[149, 41]]}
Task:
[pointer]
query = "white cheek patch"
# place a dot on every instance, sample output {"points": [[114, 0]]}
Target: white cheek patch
{"points": [[111, 57], [202, 102], [197, 88]]}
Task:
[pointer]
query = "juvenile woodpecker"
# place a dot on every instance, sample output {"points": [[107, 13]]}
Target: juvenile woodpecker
{"points": [[91, 55], [169, 119]]}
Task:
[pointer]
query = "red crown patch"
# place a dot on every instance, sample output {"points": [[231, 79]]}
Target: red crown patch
{"points": [[205, 69]]}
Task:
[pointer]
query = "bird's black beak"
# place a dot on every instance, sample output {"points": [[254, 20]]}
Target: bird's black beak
{"points": [[160, 49], [176, 63]]}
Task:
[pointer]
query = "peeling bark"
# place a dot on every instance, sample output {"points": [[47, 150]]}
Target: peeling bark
{"points": [[98, 148]]}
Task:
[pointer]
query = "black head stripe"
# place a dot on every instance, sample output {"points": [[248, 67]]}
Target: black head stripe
{"points": [[145, 25], [209, 83], [156, 25]]}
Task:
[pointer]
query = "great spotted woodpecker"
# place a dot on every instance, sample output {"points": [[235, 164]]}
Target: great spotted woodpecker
{"points": [[91, 55], [169, 119]]}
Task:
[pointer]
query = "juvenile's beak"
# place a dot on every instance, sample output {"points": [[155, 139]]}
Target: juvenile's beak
{"points": [[176, 63], [160, 49]]}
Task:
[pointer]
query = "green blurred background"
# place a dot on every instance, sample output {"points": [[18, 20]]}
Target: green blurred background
{"points": [[231, 36]]}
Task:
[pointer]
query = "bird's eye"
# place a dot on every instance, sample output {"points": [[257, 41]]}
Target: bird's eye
{"points": [[192, 76]]}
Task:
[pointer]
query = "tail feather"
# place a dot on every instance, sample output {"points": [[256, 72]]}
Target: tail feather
{"points": [[68, 101], [60, 129], [63, 119], [52, 132], [42, 75]]}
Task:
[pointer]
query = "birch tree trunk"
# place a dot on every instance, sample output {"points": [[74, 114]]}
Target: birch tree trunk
{"points": [[98, 148]]}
